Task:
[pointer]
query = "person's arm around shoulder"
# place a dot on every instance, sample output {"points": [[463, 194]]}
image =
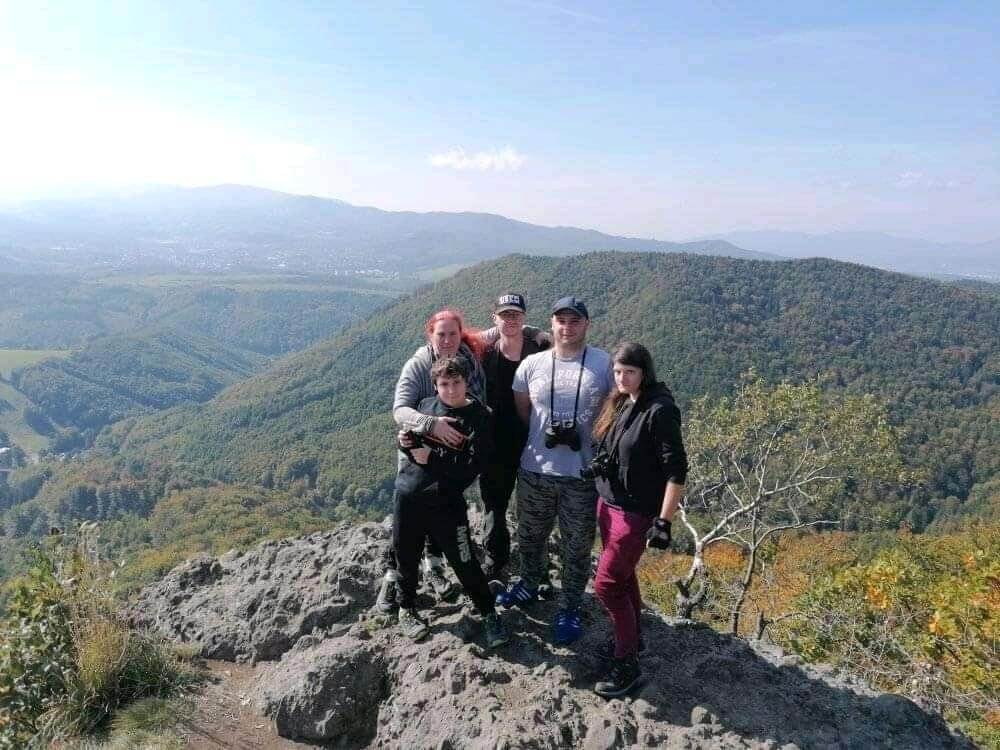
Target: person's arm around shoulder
{"points": [[542, 339], [522, 397]]}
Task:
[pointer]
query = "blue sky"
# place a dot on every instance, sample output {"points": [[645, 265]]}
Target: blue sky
{"points": [[660, 119]]}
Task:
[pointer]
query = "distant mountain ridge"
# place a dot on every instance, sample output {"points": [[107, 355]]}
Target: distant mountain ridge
{"points": [[974, 260], [230, 227]]}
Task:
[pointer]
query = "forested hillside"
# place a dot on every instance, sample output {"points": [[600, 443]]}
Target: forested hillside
{"points": [[268, 315], [139, 344], [317, 426], [117, 376]]}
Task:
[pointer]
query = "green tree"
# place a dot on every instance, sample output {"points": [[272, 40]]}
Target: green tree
{"points": [[922, 617], [769, 460]]}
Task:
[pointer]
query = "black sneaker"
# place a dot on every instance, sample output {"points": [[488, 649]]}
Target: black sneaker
{"points": [[385, 602], [494, 631], [622, 677], [412, 625]]}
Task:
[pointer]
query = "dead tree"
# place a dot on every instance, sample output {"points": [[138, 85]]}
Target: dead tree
{"points": [[769, 460]]}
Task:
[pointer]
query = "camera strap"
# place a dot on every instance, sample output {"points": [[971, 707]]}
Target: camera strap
{"points": [[552, 386]]}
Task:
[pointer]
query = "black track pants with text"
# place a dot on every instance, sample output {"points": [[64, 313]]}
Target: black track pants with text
{"points": [[443, 518]]}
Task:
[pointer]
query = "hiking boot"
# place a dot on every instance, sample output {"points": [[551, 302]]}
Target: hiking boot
{"points": [[434, 574], [517, 595], [567, 626], [412, 625], [623, 676], [494, 631], [606, 651], [385, 602]]}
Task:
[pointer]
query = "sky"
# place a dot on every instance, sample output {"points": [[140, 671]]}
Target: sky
{"points": [[660, 119]]}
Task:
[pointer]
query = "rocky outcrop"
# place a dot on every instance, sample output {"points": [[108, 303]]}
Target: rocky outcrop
{"points": [[330, 674], [256, 605]]}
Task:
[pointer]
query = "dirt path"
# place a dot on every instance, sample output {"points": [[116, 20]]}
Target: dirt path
{"points": [[223, 718]]}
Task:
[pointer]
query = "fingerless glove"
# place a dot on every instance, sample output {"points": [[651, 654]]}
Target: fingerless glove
{"points": [[658, 536]]}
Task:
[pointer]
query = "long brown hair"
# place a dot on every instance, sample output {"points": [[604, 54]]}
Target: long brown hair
{"points": [[469, 337], [631, 354]]}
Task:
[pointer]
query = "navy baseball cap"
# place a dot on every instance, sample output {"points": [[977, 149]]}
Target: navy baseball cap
{"points": [[571, 303], [510, 301]]}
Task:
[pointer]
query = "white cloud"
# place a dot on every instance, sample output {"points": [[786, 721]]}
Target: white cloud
{"points": [[919, 180], [910, 179], [484, 161]]}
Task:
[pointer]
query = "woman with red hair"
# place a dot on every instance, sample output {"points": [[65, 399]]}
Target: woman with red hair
{"points": [[447, 336]]}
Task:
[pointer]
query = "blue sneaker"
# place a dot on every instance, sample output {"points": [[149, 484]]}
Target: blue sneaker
{"points": [[517, 595], [567, 627]]}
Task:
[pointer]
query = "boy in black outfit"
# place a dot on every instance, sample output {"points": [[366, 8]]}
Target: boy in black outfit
{"points": [[429, 501]]}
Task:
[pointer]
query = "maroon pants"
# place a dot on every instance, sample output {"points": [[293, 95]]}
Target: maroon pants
{"points": [[623, 535]]}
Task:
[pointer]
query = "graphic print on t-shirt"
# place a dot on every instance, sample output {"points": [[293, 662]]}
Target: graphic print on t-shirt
{"points": [[534, 376]]}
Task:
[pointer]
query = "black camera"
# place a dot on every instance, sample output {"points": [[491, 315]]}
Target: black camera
{"points": [[562, 433], [601, 465], [417, 440]]}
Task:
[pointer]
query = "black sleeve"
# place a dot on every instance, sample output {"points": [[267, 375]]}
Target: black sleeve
{"points": [[665, 426]]}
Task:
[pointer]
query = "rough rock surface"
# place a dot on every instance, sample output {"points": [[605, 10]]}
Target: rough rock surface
{"points": [[333, 675], [256, 605]]}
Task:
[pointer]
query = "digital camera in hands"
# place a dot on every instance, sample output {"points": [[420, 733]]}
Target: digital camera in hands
{"points": [[601, 465], [415, 440], [562, 433]]}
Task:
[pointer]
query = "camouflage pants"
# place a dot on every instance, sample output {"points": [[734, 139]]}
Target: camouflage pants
{"points": [[541, 500]]}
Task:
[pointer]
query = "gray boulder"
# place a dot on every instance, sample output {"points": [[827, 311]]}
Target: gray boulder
{"points": [[330, 673], [256, 605]]}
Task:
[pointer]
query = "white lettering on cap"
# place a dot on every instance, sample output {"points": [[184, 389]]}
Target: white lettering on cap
{"points": [[512, 299]]}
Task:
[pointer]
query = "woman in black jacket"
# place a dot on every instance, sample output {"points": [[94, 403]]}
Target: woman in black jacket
{"points": [[640, 467]]}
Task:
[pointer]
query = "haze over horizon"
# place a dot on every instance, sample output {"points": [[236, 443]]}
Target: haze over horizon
{"points": [[665, 123]]}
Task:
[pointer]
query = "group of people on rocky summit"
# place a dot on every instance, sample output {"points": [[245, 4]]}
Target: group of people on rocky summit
{"points": [[591, 440]]}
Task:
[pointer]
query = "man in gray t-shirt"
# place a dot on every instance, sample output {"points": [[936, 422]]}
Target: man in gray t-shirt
{"points": [[590, 369], [559, 394]]}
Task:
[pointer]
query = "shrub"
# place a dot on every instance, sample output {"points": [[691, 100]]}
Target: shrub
{"points": [[921, 618], [68, 660]]}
